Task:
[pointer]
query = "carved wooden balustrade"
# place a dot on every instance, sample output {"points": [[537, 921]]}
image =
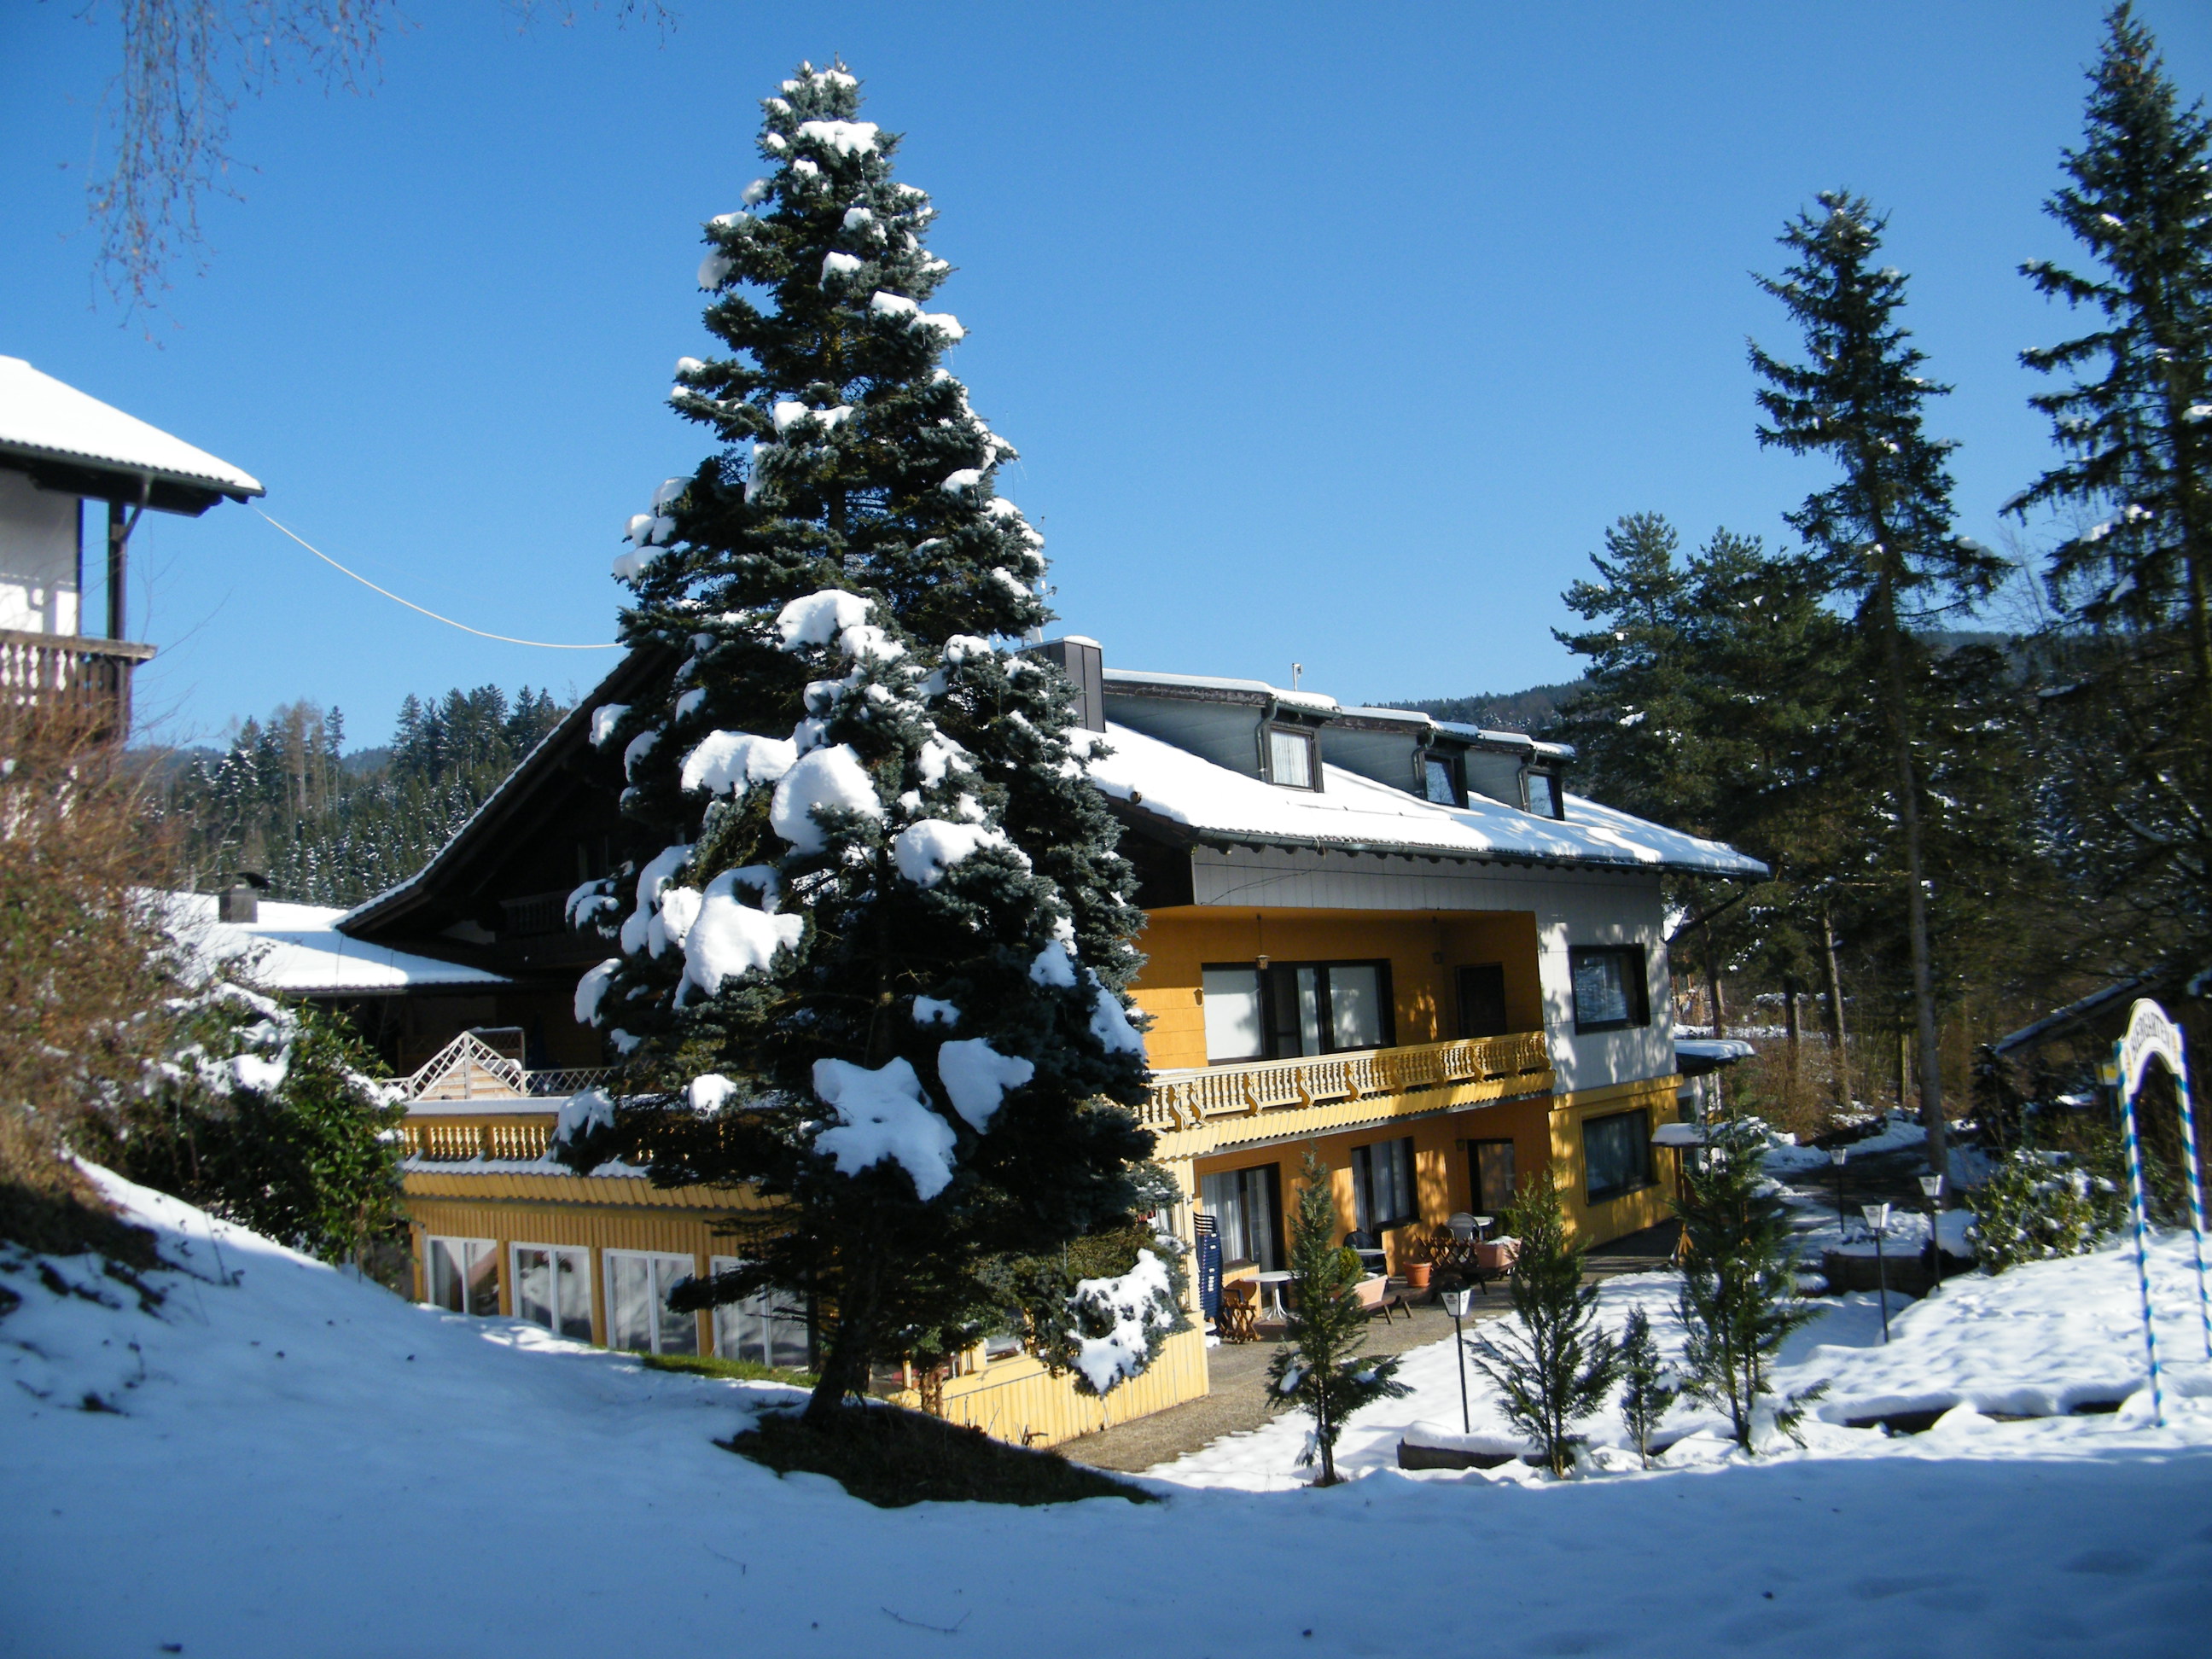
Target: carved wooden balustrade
{"points": [[72, 671], [1517, 1064], [444, 1142]]}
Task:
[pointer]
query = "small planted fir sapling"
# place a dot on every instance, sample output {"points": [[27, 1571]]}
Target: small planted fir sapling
{"points": [[1318, 1371], [1647, 1387], [1560, 1371]]}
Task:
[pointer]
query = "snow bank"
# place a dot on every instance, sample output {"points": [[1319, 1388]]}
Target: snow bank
{"points": [[275, 1416]]}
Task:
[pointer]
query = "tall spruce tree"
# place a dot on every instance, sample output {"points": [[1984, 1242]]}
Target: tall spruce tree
{"points": [[2134, 425], [1882, 532], [877, 975]]}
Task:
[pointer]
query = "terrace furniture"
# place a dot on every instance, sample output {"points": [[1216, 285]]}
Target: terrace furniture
{"points": [[1271, 1285], [1492, 1261], [1375, 1296], [1238, 1321], [1369, 1250]]}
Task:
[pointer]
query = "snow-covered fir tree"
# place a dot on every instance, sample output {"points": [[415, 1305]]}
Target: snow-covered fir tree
{"points": [[878, 973]]}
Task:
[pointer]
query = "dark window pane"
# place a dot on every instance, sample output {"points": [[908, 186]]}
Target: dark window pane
{"points": [[1617, 1151], [1482, 1001]]}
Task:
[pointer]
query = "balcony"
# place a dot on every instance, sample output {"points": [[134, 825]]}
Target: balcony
{"points": [[1217, 1103], [70, 670]]}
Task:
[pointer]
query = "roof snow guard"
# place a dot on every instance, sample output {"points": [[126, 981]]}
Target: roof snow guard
{"points": [[75, 445]]}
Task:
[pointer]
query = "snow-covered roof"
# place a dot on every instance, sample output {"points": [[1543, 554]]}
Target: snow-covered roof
{"points": [[1720, 1051], [297, 949], [42, 418], [1358, 814], [1131, 678]]}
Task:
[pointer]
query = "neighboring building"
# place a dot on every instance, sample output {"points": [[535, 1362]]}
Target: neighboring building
{"points": [[1399, 943], [59, 451]]}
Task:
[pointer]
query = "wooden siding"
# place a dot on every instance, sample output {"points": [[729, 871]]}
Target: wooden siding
{"points": [[1016, 1399]]}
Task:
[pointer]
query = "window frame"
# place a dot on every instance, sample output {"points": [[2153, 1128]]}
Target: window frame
{"points": [[1642, 1115], [1325, 1013], [1635, 981], [609, 1259], [1306, 735], [757, 1306], [1552, 785], [583, 1280], [1455, 776], [480, 1250], [1365, 1186], [1475, 1150], [1270, 1181]]}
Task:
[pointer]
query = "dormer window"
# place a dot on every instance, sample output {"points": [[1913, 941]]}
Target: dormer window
{"points": [[1443, 784], [1543, 795], [1291, 758]]}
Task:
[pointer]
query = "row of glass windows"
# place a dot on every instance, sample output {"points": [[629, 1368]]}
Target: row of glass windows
{"points": [[1247, 1204], [553, 1288]]}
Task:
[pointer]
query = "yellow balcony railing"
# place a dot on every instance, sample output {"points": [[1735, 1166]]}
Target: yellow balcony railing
{"points": [[444, 1142], [1518, 1063]]}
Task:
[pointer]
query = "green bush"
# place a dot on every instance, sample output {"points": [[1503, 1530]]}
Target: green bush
{"points": [[2039, 1205]]}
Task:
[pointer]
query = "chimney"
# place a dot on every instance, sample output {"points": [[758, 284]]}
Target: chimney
{"points": [[1084, 661], [240, 902]]}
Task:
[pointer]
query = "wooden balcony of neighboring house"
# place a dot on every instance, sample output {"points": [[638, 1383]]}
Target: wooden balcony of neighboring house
{"points": [[475, 1102], [1206, 1109], [70, 671]]}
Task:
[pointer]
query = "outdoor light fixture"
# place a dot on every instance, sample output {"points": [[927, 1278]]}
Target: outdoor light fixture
{"points": [[1877, 1221], [1456, 1303], [1932, 1185]]}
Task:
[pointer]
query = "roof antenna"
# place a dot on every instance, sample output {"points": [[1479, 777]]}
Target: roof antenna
{"points": [[1297, 669]]}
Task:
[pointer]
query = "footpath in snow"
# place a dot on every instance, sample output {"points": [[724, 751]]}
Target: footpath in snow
{"points": [[296, 1464]]}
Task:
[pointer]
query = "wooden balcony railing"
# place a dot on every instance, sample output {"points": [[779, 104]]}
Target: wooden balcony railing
{"points": [[1181, 1099], [437, 1142], [70, 670]]}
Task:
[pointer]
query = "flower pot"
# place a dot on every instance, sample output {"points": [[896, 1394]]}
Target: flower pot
{"points": [[1417, 1274]]}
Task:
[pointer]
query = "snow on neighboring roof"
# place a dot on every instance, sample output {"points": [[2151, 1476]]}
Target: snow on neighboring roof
{"points": [[1130, 677], [1719, 1050], [295, 949], [41, 417], [1355, 812]]}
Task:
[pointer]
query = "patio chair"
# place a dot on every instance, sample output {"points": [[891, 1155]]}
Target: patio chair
{"points": [[1369, 1248], [1238, 1319]]}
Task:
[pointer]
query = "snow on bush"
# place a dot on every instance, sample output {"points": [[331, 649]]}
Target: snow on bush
{"points": [[925, 851], [831, 777], [728, 937], [732, 763], [1136, 1312], [883, 1115]]}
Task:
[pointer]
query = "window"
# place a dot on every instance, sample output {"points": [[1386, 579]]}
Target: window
{"points": [[1609, 986], [1482, 999], [1491, 1174], [462, 1275], [639, 1317], [553, 1288], [1247, 1207], [1291, 759], [1443, 784], [1234, 1030], [1617, 1153], [1295, 1008], [1382, 1185], [768, 1327], [1544, 795]]}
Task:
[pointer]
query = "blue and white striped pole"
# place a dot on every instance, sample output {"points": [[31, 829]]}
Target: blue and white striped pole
{"points": [[2135, 1211], [2196, 1205]]}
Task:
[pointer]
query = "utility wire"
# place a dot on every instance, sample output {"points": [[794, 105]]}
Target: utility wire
{"points": [[504, 639]]}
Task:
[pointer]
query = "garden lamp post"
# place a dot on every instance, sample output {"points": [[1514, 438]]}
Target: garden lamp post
{"points": [[1877, 1221], [1457, 1303], [1836, 1156], [1932, 1185]]}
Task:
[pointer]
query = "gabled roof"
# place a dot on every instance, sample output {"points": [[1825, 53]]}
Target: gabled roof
{"points": [[1171, 787], [74, 442], [296, 949]]}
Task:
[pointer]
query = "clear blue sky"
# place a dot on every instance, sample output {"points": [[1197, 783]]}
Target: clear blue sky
{"points": [[1328, 333]]}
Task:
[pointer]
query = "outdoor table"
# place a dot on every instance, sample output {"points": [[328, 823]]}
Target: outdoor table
{"points": [[1271, 1285]]}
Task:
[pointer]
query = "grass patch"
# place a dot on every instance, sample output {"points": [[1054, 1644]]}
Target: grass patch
{"points": [[891, 1457], [744, 1370]]}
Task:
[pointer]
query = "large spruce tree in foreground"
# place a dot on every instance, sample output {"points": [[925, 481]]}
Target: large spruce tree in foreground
{"points": [[876, 974], [2133, 748], [1882, 531]]}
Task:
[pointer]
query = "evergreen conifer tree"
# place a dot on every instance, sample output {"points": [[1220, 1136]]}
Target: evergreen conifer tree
{"points": [[1739, 1295], [877, 975], [2134, 424], [1318, 1368], [1647, 1389], [1561, 1369], [1882, 532]]}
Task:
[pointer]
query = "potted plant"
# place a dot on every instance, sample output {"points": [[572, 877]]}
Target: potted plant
{"points": [[1414, 1255]]}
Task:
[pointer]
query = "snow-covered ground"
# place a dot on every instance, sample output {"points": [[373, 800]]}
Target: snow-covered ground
{"points": [[300, 1465]]}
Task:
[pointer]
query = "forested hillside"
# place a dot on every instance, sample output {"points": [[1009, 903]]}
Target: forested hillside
{"points": [[330, 827]]}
